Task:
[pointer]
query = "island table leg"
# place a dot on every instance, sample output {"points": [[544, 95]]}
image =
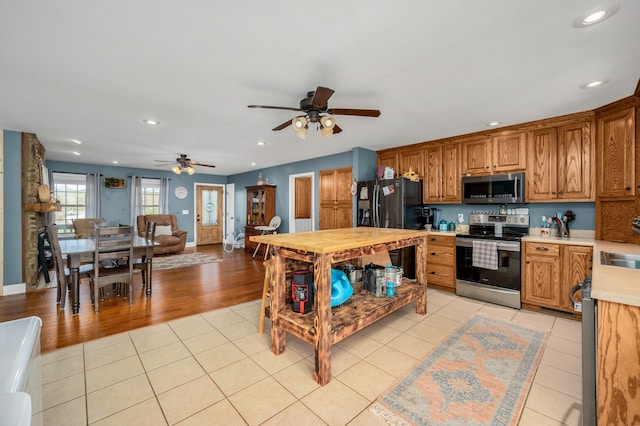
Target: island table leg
{"points": [[322, 321]]}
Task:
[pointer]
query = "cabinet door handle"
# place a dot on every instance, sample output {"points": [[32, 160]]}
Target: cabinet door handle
{"points": [[434, 239], [541, 248], [560, 192], [553, 193], [628, 188], [434, 273], [434, 254]]}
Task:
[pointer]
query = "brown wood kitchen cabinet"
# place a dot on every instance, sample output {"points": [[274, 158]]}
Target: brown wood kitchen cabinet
{"points": [[617, 171], [559, 162], [501, 152], [441, 266], [618, 361], [411, 160], [549, 271], [261, 208], [441, 183], [389, 158], [336, 206]]}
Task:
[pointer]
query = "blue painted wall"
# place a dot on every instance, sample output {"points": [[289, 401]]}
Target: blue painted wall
{"points": [[115, 204], [585, 212], [12, 237], [279, 176]]}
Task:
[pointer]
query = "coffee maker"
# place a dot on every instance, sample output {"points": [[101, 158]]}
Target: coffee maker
{"points": [[429, 216]]}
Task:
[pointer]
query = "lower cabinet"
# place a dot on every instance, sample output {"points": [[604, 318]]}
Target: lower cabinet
{"points": [[549, 271], [441, 261], [618, 361]]}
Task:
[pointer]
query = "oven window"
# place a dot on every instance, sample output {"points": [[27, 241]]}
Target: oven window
{"points": [[507, 275]]}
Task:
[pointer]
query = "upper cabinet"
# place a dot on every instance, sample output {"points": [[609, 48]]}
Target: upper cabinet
{"points": [[389, 158], [559, 163], [497, 153], [615, 154], [441, 183], [411, 160]]}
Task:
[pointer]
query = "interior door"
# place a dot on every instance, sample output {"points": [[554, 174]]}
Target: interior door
{"points": [[209, 214]]}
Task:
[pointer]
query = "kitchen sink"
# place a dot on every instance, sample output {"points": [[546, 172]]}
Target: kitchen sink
{"points": [[623, 260]]}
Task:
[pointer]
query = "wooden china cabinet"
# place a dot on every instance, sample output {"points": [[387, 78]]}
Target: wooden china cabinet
{"points": [[261, 208]]}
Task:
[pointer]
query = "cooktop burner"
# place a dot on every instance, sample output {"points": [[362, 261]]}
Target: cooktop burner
{"points": [[496, 226]]}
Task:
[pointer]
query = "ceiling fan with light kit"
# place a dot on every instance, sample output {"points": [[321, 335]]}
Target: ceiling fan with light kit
{"points": [[183, 164], [317, 112]]}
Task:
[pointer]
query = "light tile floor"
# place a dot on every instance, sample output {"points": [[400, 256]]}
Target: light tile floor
{"points": [[214, 368]]}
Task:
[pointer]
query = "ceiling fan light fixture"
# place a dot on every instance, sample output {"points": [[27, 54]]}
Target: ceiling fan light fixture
{"points": [[190, 170], [176, 169], [299, 123], [301, 133], [328, 122], [326, 132]]}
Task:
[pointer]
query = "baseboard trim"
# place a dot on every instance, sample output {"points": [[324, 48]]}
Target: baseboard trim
{"points": [[9, 290]]}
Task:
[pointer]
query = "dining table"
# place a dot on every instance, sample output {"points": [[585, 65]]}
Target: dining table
{"points": [[326, 324], [82, 250]]}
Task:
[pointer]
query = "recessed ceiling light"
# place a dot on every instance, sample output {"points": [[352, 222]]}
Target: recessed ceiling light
{"points": [[592, 84], [78, 141], [253, 163], [114, 162], [595, 16], [75, 153], [493, 123], [151, 122], [261, 143]]}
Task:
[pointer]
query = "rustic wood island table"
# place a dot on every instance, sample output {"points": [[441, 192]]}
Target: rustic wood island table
{"points": [[323, 326]]}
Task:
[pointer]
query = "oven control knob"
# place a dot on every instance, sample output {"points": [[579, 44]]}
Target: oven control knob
{"points": [[522, 220]]}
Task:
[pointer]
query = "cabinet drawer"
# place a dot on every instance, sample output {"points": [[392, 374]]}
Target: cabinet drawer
{"points": [[440, 255], [443, 240], [542, 249], [440, 274]]}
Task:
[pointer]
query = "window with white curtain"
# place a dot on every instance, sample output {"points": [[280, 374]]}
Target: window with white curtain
{"points": [[150, 196], [71, 190]]}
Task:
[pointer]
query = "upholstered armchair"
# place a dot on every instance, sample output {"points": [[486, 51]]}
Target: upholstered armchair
{"points": [[168, 236]]}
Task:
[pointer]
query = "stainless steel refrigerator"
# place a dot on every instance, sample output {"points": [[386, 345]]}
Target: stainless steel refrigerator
{"points": [[392, 203]]}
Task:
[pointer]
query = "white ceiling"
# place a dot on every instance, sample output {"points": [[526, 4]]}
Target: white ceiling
{"points": [[94, 70]]}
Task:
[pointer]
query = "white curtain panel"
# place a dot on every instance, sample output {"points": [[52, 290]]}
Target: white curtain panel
{"points": [[164, 196], [92, 207], [136, 200]]}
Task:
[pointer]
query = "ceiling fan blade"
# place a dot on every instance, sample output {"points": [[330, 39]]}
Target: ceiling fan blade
{"points": [[283, 125], [321, 97], [274, 107], [196, 163], [354, 111], [336, 129]]}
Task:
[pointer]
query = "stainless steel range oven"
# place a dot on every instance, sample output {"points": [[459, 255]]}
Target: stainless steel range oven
{"points": [[488, 258]]}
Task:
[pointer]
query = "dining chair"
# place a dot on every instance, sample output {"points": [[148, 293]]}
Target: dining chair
{"points": [[141, 263], [112, 246], [272, 228], [63, 274]]}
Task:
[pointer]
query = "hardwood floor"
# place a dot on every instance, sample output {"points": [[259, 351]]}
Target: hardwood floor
{"points": [[177, 293]]}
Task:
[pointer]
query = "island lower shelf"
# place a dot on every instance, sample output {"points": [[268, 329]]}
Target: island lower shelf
{"points": [[361, 310]]}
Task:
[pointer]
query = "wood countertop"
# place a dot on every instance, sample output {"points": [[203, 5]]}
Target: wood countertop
{"points": [[332, 240], [615, 283]]}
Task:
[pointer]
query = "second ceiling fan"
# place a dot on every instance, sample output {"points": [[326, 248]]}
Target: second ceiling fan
{"points": [[315, 108]]}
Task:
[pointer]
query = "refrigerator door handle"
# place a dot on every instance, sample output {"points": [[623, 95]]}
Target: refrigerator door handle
{"points": [[376, 206]]}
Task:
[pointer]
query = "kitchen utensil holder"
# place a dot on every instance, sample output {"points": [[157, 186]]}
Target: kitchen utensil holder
{"points": [[563, 230]]}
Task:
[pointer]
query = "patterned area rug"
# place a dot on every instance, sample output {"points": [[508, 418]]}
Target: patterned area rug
{"points": [[481, 375], [182, 260]]}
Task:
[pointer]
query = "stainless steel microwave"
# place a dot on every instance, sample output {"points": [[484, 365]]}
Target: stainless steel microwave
{"points": [[493, 189]]}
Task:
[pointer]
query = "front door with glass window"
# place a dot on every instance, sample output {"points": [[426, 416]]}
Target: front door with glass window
{"points": [[209, 214]]}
